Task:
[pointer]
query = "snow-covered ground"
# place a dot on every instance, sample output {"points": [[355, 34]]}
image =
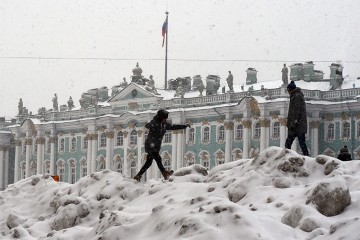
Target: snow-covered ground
{"points": [[278, 195]]}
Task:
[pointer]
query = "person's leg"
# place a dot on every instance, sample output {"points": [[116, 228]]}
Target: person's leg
{"points": [[149, 159], [302, 143], [157, 158], [289, 140]]}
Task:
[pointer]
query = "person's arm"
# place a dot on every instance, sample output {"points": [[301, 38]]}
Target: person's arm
{"points": [[176, 126], [151, 125]]}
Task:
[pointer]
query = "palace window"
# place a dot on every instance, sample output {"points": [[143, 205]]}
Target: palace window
{"points": [[192, 135], [276, 130], [103, 140], [221, 136], [85, 143], [22, 170], [257, 131], [83, 167], [118, 164], [239, 132], [133, 169], [60, 170], [62, 145], [48, 146], [167, 137], [72, 171], [120, 139], [206, 135], [46, 166], [330, 132], [102, 164], [167, 165], [189, 159], [73, 144], [133, 137], [346, 130], [206, 164]]}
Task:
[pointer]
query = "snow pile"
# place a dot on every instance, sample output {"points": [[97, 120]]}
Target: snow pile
{"points": [[277, 195]]}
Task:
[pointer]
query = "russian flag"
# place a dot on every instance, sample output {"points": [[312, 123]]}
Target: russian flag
{"points": [[164, 30]]}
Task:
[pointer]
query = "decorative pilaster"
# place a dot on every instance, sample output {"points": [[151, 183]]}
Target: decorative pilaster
{"points": [[126, 145], [28, 144], [2, 170], [264, 139], [40, 141], [180, 149], [229, 133], [109, 148], [314, 125], [94, 148], [17, 159], [174, 141], [52, 141], [246, 142], [282, 122], [89, 153]]}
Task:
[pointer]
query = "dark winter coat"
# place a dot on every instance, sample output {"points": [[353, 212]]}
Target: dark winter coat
{"points": [[297, 119], [157, 131], [344, 154]]}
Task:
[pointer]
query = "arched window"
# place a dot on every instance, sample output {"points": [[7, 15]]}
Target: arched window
{"points": [[239, 132], [221, 136], [102, 164], [83, 167], [133, 137], [346, 130], [73, 144], [257, 131], [72, 171], [85, 143], [189, 159], [103, 140], [331, 131], [276, 130], [62, 145], [192, 135], [60, 169], [118, 164], [133, 168], [167, 137], [120, 139], [206, 134], [46, 166]]}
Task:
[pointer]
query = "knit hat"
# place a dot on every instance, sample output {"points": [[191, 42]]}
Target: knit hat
{"points": [[291, 86], [162, 114]]}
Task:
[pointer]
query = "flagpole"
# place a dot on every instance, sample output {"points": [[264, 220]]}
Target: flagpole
{"points": [[166, 48]]}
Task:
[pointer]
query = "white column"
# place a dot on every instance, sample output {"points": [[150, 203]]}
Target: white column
{"points": [[282, 132], [94, 148], [2, 170], [52, 141], [174, 157], [17, 160], [28, 144], [263, 135], [40, 154], [126, 144], [88, 153], [315, 138], [229, 133], [246, 141], [109, 148], [139, 146], [180, 149]]}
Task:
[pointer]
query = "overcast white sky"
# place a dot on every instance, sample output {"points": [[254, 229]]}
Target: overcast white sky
{"points": [[38, 38]]}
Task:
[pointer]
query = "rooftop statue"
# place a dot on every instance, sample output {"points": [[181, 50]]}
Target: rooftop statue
{"points": [[70, 103], [230, 82], [180, 91], [55, 103], [20, 107], [150, 85], [124, 83], [285, 72]]}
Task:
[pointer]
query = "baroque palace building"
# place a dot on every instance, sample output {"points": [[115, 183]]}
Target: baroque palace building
{"points": [[107, 132]]}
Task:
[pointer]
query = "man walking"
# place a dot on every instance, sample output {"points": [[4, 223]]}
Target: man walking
{"points": [[297, 119]]}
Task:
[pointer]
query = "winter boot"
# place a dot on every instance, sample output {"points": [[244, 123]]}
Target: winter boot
{"points": [[137, 178], [166, 174]]}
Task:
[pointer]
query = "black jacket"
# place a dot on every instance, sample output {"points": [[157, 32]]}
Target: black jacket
{"points": [[157, 131], [297, 119]]}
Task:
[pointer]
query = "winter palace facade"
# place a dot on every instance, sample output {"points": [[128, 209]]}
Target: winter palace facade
{"points": [[107, 132]]}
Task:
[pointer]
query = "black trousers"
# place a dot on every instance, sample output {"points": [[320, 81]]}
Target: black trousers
{"points": [[301, 137], [149, 160]]}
